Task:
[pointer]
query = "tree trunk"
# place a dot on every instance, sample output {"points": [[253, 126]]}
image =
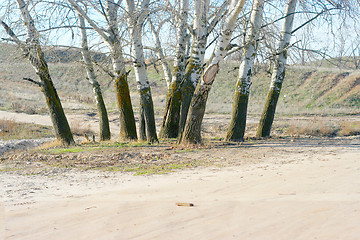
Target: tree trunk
{"points": [[33, 51], [135, 21], [127, 119], [191, 78], [148, 112], [170, 125], [58, 118], [278, 75], [195, 65], [142, 125], [104, 120], [192, 130], [237, 125]]}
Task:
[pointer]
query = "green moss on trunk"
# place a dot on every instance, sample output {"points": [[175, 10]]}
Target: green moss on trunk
{"points": [[127, 119], [142, 124], [103, 116], [170, 125], [57, 115], [237, 125], [148, 107], [192, 130], [187, 92], [268, 114]]}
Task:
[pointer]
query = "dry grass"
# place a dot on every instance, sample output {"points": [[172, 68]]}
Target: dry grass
{"points": [[10, 129], [321, 128], [349, 128], [7, 127], [50, 145], [80, 129]]}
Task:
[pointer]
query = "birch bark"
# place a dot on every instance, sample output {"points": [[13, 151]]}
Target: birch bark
{"points": [[34, 53], [192, 130], [196, 62], [136, 18], [278, 75], [237, 125], [170, 124], [103, 116]]}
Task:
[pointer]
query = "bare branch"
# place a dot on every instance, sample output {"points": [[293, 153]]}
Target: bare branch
{"points": [[91, 22], [312, 19], [13, 36], [220, 13], [177, 14], [34, 82]]}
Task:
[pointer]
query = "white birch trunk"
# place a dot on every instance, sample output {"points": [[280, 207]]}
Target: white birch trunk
{"points": [[135, 23], [181, 34], [242, 89], [86, 56], [278, 74], [114, 43], [280, 62], [170, 124], [199, 40], [247, 63], [136, 18], [226, 32], [102, 112], [196, 61], [192, 130]]}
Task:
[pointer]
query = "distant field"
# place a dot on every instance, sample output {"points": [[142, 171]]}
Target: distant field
{"points": [[307, 89]]}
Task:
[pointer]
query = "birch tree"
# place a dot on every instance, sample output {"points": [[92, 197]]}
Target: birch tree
{"points": [[202, 27], [192, 130], [111, 37], [278, 72], [237, 125], [104, 120], [170, 124], [32, 50], [136, 18]]}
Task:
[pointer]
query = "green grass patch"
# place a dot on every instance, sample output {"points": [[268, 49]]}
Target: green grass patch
{"points": [[149, 169], [68, 150], [95, 146]]}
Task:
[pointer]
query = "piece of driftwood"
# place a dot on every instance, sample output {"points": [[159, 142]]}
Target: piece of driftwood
{"points": [[185, 204]]}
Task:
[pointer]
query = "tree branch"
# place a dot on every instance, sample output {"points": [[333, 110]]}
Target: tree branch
{"points": [[311, 19], [91, 22], [34, 82], [220, 13], [105, 70], [177, 14], [13, 36]]}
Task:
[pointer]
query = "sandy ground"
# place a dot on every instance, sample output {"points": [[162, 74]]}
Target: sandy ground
{"points": [[81, 120], [298, 192]]}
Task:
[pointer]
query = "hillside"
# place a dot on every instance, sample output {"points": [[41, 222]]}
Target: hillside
{"points": [[306, 90]]}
